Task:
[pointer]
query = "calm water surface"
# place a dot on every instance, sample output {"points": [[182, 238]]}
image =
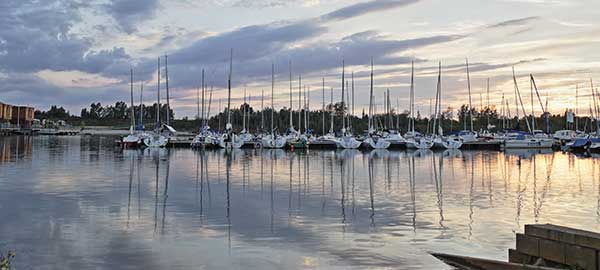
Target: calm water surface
{"points": [[81, 203]]}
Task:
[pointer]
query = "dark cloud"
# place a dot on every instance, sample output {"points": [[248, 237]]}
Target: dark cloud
{"points": [[515, 22], [128, 13], [37, 36], [365, 8]]}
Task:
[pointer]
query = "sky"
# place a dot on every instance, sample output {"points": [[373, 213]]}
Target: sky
{"points": [[75, 52]]}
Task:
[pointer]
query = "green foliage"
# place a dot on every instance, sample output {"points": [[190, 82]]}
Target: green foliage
{"points": [[6, 260], [118, 115]]}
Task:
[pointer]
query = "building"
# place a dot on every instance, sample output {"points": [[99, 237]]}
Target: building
{"points": [[11, 115], [22, 116], [5, 113]]}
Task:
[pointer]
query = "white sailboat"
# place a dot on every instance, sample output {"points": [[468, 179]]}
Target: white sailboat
{"points": [[468, 135], [273, 140], [439, 140], [325, 140], [229, 140], [206, 137], [523, 140], [373, 140], [155, 139], [245, 136], [346, 141], [414, 139], [132, 140]]}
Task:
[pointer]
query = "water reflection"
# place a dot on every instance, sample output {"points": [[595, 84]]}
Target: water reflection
{"points": [[320, 209]]}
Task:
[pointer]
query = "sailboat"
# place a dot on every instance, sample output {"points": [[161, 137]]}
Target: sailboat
{"points": [[439, 140], [523, 140], [589, 142], [206, 137], [325, 140], [415, 140], [468, 135], [132, 140], [229, 140], [155, 138], [393, 135], [346, 141], [297, 139], [245, 136], [373, 140], [273, 140]]}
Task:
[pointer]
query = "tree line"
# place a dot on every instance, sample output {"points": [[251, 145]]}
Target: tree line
{"points": [[118, 115]]}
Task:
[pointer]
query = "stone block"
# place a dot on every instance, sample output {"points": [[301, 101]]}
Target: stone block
{"points": [[564, 234], [580, 257], [515, 256], [528, 245], [552, 250]]}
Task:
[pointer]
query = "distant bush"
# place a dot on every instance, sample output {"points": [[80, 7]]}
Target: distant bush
{"points": [[5, 260]]}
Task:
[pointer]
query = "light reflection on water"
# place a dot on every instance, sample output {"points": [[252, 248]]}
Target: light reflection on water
{"points": [[78, 203]]}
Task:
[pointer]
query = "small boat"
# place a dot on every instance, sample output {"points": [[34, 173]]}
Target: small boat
{"points": [[419, 143], [273, 141], [328, 141], [594, 146], [132, 140], [347, 142], [522, 140], [447, 142], [154, 140], [395, 138], [374, 141], [564, 135], [468, 136], [465, 262]]}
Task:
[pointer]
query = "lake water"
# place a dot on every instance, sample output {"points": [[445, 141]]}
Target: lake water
{"points": [[81, 203]]}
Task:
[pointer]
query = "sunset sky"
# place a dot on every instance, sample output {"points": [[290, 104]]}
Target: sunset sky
{"points": [[75, 52]]}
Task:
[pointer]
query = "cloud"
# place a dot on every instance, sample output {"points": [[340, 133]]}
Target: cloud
{"points": [[37, 36], [515, 22], [365, 8], [129, 13]]}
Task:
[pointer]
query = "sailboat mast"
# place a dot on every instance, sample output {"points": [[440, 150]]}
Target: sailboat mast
{"points": [[299, 103], [331, 112], [291, 120], [521, 102], [308, 108], [167, 87], [411, 122], [469, 87], [352, 112], [132, 108], [532, 109], [371, 100], [595, 104], [487, 109], [158, 101], [437, 101], [209, 103], [141, 104], [343, 108], [272, 99], [323, 109], [228, 125], [262, 110], [576, 107], [305, 113], [203, 96]]}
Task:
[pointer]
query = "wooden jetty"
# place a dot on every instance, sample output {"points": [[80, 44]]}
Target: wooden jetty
{"points": [[482, 145], [541, 246]]}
